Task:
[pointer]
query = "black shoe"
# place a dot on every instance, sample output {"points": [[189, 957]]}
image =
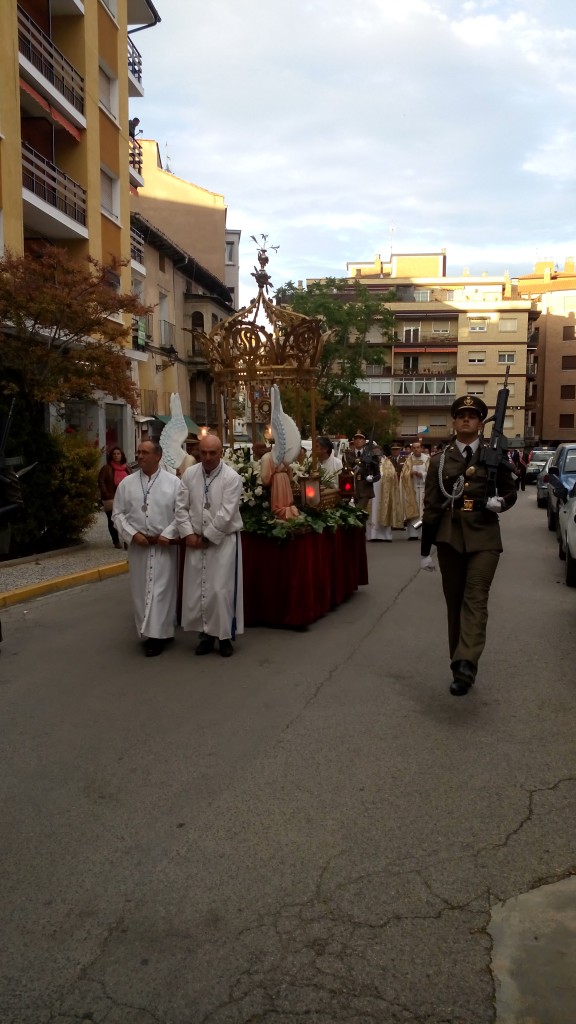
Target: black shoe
{"points": [[206, 645], [153, 647], [464, 673], [226, 649]]}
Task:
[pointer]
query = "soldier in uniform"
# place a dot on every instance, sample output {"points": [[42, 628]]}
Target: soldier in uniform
{"points": [[363, 461], [461, 518]]}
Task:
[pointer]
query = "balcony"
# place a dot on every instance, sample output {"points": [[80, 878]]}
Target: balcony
{"points": [[54, 204], [44, 66], [427, 339], [135, 87], [137, 246], [424, 401], [135, 160]]}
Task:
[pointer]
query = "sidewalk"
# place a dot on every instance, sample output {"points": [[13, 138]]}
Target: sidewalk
{"points": [[92, 560]]}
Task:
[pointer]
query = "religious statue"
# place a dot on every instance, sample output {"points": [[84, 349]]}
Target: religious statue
{"points": [[275, 465]]}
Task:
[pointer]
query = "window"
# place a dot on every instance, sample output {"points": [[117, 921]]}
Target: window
{"points": [[442, 327], [568, 391], [475, 387], [109, 194], [477, 324], [438, 421], [410, 362], [508, 423], [566, 419], [229, 252], [107, 91], [569, 362], [411, 335], [198, 321], [476, 356], [448, 295], [506, 357], [161, 263], [508, 323], [422, 295], [568, 333]]}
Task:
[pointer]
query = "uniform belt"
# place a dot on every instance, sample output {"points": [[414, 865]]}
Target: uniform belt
{"points": [[470, 505]]}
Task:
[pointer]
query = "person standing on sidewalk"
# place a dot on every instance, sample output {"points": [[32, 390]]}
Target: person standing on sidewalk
{"points": [[462, 521], [111, 474], [208, 517], [143, 514]]}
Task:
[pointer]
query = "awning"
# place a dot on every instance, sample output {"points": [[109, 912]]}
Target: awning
{"points": [[192, 427]]}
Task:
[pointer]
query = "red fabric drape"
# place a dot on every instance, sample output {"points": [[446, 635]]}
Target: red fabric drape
{"points": [[292, 583]]}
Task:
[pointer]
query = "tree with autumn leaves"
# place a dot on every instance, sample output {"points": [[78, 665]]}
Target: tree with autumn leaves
{"points": [[61, 333]]}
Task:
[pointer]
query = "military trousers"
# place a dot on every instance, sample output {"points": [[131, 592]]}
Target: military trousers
{"points": [[466, 581]]}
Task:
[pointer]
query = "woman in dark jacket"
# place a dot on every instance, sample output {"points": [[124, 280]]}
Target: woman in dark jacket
{"points": [[108, 479]]}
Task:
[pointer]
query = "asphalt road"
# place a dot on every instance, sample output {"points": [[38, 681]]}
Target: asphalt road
{"points": [[310, 832]]}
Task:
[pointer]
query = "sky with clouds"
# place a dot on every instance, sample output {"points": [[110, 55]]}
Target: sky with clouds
{"points": [[344, 129]]}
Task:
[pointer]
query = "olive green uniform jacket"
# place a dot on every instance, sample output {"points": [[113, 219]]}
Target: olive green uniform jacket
{"points": [[465, 531]]}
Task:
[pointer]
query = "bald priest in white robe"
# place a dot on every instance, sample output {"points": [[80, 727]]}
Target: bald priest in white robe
{"points": [[144, 515], [208, 517]]}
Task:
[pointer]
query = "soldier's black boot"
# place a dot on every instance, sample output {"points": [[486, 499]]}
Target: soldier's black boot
{"points": [[464, 673]]}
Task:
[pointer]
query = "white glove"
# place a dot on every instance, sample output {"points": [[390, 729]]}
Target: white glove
{"points": [[369, 479], [494, 504], [427, 562]]}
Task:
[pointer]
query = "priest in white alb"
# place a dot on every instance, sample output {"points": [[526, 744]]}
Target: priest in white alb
{"points": [[208, 517], [144, 515]]}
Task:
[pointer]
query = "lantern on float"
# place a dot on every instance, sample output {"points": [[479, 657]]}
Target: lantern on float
{"points": [[346, 484], [310, 491]]}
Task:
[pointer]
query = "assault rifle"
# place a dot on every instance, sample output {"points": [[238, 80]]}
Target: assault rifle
{"points": [[494, 452]]}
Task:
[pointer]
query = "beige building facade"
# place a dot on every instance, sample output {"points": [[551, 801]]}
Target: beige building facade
{"points": [[452, 335]]}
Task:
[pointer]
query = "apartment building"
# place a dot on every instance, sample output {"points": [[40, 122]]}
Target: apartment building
{"points": [[452, 335], [68, 69], [186, 298], [551, 400]]}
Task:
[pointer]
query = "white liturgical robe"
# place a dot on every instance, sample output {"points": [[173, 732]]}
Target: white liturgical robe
{"points": [[154, 569], [212, 596]]}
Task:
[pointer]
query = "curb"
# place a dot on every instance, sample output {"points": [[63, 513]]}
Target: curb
{"points": [[78, 579]]}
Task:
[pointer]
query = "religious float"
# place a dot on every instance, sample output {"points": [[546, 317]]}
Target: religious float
{"points": [[304, 549]]}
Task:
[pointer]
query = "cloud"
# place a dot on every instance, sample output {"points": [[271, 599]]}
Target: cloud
{"points": [[323, 123]]}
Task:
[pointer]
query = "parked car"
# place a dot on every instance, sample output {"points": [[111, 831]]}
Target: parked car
{"points": [[537, 459], [567, 538], [561, 480], [542, 486]]}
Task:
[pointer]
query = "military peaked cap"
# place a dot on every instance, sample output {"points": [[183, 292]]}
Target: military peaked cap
{"points": [[359, 434], [470, 402]]}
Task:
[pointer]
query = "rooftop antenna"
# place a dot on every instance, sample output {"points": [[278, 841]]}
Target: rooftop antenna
{"points": [[167, 158]]}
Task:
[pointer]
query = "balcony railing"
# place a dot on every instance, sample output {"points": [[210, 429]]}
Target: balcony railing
{"points": [[39, 49], [200, 413], [135, 155], [424, 400], [134, 61], [49, 183], [136, 245]]}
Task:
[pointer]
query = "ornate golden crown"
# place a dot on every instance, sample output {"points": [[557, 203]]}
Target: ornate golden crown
{"points": [[264, 343]]}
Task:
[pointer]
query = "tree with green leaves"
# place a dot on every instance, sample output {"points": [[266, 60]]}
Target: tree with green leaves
{"points": [[352, 312]]}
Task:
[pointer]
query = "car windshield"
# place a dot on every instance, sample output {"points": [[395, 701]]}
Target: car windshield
{"points": [[540, 456]]}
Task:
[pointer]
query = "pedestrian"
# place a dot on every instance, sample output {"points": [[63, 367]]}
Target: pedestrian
{"points": [[208, 517], [522, 466], [144, 516], [327, 461], [132, 127], [412, 481], [110, 476], [364, 463], [461, 518]]}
